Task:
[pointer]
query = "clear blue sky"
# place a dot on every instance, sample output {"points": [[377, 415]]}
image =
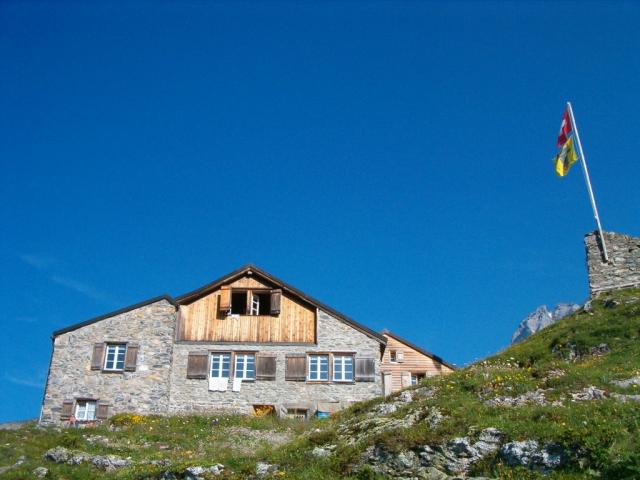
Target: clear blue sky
{"points": [[391, 159]]}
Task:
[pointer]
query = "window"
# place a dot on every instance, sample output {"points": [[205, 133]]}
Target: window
{"points": [[342, 368], [250, 302], [114, 359], [239, 302], [85, 410], [416, 377], [245, 366], [393, 356], [318, 367], [220, 365], [297, 413]]}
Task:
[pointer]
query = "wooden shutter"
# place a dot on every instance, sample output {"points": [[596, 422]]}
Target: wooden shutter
{"points": [[265, 367], [296, 367], [198, 365], [399, 356], [131, 357], [67, 409], [406, 379], [102, 410], [224, 302], [365, 369], [97, 359], [276, 296]]}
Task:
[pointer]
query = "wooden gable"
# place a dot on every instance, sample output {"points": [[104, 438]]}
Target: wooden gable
{"points": [[204, 320], [409, 360]]}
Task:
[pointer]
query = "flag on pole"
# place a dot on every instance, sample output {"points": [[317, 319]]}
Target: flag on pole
{"points": [[565, 158], [565, 129]]}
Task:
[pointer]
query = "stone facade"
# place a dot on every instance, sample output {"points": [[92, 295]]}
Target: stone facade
{"points": [[333, 336], [145, 390], [623, 268], [159, 383]]}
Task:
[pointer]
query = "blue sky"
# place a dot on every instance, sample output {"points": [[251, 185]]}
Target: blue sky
{"points": [[391, 159]]}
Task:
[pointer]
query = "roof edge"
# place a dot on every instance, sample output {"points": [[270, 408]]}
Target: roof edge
{"points": [[120, 311], [419, 349]]}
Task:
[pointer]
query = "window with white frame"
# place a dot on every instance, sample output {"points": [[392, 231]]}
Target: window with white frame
{"points": [[393, 356], [343, 368], [245, 366], [220, 365], [114, 359], [416, 377], [85, 410], [318, 367]]}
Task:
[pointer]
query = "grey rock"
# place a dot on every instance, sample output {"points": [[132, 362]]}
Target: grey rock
{"points": [[625, 398], [536, 397], [529, 454], [109, 463], [489, 441], [322, 452], [40, 472], [406, 397], [263, 469], [589, 393], [520, 453], [385, 409], [628, 382], [601, 349], [57, 455], [541, 318], [168, 476]]}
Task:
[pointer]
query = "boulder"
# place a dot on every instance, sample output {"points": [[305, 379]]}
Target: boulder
{"points": [[40, 472]]}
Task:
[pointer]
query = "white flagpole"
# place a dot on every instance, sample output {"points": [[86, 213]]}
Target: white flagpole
{"points": [[583, 161]]}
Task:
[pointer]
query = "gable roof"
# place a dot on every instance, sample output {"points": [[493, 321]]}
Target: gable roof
{"points": [[251, 269], [419, 349], [248, 269]]}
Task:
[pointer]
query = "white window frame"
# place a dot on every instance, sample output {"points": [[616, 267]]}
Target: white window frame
{"points": [[340, 368], [241, 370], [118, 348], [220, 356], [83, 413], [393, 356], [416, 377], [316, 359], [255, 304]]}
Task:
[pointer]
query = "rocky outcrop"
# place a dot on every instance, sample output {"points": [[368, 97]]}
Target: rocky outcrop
{"points": [[108, 463], [530, 454], [542, 318]]}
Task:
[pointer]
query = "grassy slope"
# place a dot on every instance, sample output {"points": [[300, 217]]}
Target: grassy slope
{"points": [[605, 433]]}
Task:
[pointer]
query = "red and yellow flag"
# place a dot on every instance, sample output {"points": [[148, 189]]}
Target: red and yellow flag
{"points": [[567, 155]]}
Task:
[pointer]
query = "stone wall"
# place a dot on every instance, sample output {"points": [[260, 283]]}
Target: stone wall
{"points": [[146, 390], [623, 268], [333, 336]]}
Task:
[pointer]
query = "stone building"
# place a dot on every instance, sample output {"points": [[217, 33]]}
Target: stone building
{"points": [[622, 270], [246, 342]]}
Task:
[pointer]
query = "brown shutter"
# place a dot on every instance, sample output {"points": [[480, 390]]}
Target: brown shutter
{"points": [[224, 302], [406, 379], [131, 357], [197, 365], [102, 410], [97, 359], [276, 296], [265, 367], [67, 409], [296, 367], [399, 356], [365, 369]]}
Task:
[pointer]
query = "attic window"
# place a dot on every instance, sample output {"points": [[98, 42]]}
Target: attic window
{"points": [[239, 302], [393, 356], [251, 302]]}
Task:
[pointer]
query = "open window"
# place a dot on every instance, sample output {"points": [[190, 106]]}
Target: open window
{"points": [[254, 302], [416, 378]]}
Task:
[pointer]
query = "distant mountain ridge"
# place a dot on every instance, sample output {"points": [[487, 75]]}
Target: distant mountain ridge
{"points": [[540, 318]]}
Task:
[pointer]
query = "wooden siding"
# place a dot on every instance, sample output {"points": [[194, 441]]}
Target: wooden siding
{"points": [[414, 362], [201, 321]]}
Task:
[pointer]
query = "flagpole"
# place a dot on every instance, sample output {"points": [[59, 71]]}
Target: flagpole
{"points": [[583, 161]]}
